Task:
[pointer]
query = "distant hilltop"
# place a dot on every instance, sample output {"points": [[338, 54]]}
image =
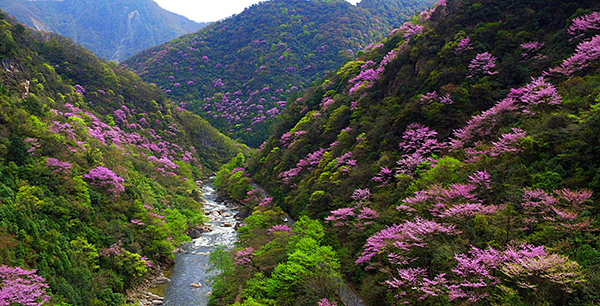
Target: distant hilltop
{"points": [[113, 29]]}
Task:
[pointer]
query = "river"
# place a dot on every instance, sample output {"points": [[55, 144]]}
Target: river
{"points": [[192, 265]]}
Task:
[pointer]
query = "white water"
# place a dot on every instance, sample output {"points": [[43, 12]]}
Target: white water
{"points": [[191, 266]]}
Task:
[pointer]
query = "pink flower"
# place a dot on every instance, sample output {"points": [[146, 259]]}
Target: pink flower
{"points": [[383, 177], [138, 222], [58, 166], [508, 142], [586, 54], [402, 238], [463, 46], [411, 30], [532, 45], [361, 195], [326, 302], [420, 139], [585, 23], [468, 210], [278, 228], [341, 216], [244, 256], [482, 64], [22, 287], [481, 178], [482, 125], [146, 262], [104, 177]]}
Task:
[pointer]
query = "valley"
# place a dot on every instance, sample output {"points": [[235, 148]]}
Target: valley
{"points": [[386, 153]]}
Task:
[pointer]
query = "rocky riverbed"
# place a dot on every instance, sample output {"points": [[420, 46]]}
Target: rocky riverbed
{"points": [[188, 282]]}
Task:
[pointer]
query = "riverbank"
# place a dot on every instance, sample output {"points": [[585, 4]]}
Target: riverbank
{"points": [[189, 278], [219, 211], [143, 295]]}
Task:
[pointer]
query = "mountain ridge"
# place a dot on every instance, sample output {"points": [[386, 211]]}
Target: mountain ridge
{"points": [[453, 164], [134, 24], [98, 173], [258, 59]]}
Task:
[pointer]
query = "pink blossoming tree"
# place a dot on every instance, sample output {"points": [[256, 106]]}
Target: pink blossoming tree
{"points": [[482, 64], [104, 177], [463, 46], [22, 287]]}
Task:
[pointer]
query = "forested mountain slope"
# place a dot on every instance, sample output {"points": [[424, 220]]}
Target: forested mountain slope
{"points": [[113, 29], [97, 172], [394, 12], [238, 73], [454, 164]]}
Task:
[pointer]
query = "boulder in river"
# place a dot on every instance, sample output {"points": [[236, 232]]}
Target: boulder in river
{"points": [[194, 233], [243, 214], [196, 285], [226, 214], [226, 224], [205, 228]]}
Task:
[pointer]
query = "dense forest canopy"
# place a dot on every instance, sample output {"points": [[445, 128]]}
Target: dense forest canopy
{"points": [[455, 163], [238, 73], [97, 172], [452, 162]]}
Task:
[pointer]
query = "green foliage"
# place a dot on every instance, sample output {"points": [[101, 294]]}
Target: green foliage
{"points": [[93, 238], [220, 261], [447, 169], [98, 25], [558, 151], [233, 182], [309, 228], [235, 70], [283, 268]]}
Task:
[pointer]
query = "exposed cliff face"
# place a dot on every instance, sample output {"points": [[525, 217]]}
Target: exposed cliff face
{"points": [[113, 29]]}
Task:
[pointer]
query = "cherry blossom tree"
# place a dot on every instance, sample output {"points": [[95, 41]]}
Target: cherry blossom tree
{"points": [[396, 241], [411, 30], [508, 142], [481, 178], [244, 256], [531, 49], [326, 302], [384, 176], [482, 125]]}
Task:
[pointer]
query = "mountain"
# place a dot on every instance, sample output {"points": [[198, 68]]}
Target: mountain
{"points": [[394, 12], [97, 173], [456, 163], [238, 73], [113, 29]]}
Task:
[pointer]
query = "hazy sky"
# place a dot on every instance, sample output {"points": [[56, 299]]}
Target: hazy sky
{"points": [[209, 10]]}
